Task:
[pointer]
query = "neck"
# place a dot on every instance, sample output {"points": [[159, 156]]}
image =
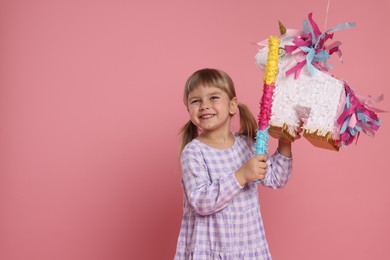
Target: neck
{"points": [[217, 140]]}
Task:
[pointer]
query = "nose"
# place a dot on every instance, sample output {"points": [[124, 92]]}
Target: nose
{"points": [[204, 105]]}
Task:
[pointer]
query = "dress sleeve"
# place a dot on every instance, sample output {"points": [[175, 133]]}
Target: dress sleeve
{"points": [[278, 172], [206, 196]]}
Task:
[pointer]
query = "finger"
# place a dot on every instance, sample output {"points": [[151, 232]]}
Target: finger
{"points": [[261, 176], [263, 165], [261, 158], [262, 171]]}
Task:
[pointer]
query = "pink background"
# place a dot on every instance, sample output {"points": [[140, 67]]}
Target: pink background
{"points": [[90, 108]]}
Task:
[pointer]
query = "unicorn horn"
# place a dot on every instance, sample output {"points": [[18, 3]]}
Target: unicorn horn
{"points": [[282, 29]]}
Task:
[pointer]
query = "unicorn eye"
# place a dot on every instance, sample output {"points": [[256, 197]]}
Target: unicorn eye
{"points": [[282, 52]]}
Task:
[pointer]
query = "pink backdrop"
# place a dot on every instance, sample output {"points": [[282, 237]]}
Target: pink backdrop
{"points": [[90, 108]]}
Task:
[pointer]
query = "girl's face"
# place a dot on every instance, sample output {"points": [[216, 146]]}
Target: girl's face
{"points": [[210, 108]]}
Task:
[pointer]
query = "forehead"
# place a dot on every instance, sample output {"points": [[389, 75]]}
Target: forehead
{"points": [[205, 90]]}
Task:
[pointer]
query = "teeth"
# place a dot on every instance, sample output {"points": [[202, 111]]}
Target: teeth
{"points": [[206, 116]]}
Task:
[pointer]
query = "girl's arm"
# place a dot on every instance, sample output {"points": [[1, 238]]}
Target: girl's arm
{"points": [[279, 166], [280, 163], [284, 148], [204, 195]]}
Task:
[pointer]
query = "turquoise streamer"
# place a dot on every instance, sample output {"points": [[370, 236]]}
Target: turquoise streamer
{"points": [[261, 145]]}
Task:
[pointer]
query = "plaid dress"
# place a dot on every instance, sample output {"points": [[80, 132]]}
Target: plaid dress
{"points": [[222, 219]]}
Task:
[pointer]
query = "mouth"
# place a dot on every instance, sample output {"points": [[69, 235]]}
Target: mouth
{"points": [[206, 116]]}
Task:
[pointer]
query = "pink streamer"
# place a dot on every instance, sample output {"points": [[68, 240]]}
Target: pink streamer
{"points": [[313, 24], [296, 69], [355, 104], [266, 106]]}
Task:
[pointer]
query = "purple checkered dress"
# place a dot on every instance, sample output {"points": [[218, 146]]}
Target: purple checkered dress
{"points": [[221, 219]]}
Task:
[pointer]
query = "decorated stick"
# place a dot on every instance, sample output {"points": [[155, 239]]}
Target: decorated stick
{"points": [[271, 69]]}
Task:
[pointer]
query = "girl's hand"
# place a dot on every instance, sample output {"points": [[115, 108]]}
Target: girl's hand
{"points": [[299, 131], [284, 144], [253, 170]]}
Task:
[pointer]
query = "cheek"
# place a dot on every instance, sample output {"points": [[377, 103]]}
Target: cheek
{"points": [[192, 112]]}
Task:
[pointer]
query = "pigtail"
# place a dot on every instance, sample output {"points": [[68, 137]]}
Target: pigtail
{"points": [[188, 132], [248, 124]]}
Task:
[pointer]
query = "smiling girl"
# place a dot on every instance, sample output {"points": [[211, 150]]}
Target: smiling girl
{"points": [[221, 210]]}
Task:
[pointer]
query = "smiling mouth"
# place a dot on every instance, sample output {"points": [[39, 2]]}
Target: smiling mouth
{"points": [[206, 116]]}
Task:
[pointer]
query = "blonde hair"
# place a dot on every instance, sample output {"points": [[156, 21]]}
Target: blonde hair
{"points": [[221, 80]]}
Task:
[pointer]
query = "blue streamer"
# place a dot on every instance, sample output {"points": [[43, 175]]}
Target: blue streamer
{"points": [[322, 56], [361, 117], [261, 145], [339, 27]]}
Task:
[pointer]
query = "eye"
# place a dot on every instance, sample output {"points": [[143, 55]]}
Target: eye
{"points": [[194, 101], [214, 97]]}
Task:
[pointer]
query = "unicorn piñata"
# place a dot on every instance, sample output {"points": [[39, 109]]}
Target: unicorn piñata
{"points": [[304, 91]]}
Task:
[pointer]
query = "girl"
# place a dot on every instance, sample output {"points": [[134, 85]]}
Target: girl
{"points": [[221, 211]]}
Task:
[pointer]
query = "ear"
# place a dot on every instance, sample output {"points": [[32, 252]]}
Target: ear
{"points": [[233, 106]]}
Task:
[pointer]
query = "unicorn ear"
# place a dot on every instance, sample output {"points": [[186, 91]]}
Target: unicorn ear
{"points": [[282, 29]]}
